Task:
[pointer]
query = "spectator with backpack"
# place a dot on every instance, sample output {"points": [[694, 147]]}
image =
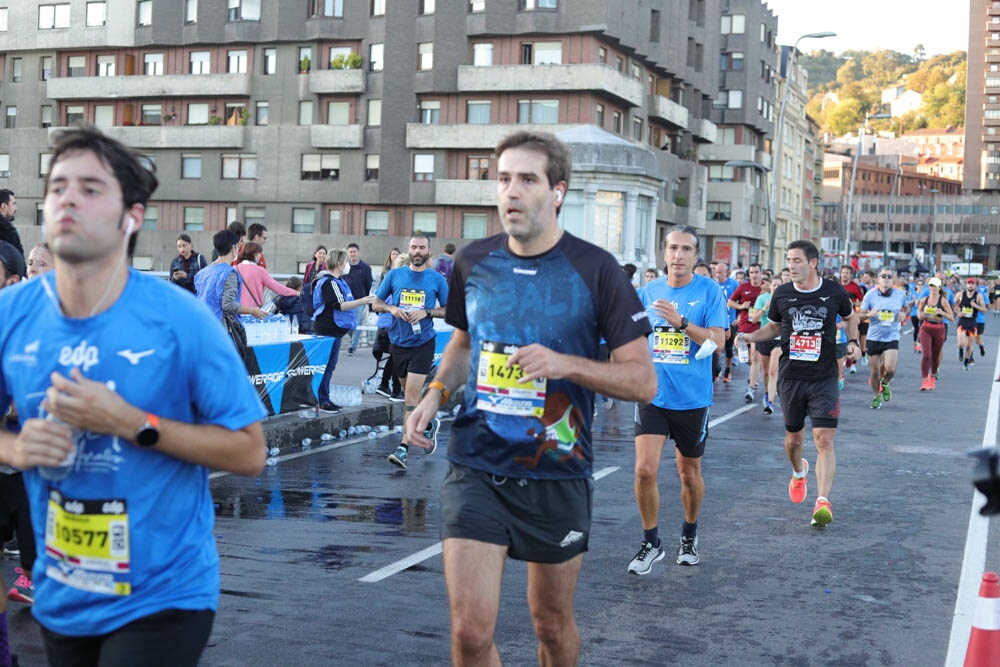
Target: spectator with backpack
{"points": [[332, 303], [186, 264]]}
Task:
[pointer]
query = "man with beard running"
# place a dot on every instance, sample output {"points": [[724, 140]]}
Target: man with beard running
{"points": [[420, 295], [885, 307], [805, 311]]}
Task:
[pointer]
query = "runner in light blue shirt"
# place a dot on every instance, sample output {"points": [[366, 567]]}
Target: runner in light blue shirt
{"points": [[885, 307]]}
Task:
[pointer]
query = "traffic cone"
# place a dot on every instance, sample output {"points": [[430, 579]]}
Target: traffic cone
{"points": [[984, 641]]}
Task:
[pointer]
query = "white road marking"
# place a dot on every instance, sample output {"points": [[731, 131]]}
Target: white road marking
{"points": [[974, 557], [435, 549]]}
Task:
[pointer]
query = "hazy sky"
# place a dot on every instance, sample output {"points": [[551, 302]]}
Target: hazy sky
{"points": [[942, 26]]}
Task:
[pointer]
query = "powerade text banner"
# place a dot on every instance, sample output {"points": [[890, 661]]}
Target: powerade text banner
{"points": [[287, 375]]}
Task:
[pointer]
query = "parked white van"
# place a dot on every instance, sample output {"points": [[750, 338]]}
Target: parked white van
{"points": [[966, 269]]}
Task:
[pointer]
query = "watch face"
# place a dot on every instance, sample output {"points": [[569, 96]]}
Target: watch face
{"points": [[147, 436]]}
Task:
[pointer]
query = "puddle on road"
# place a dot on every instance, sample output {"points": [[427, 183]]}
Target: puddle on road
{"points": [[336, 556]]}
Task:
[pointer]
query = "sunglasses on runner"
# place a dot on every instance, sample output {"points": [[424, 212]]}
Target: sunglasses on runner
{"points": [[886, 275]]}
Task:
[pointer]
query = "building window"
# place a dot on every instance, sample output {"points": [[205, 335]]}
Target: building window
{"points": [[106, 66], [430, 112], [423, 167], [338, 113], [16, 69], [262, 114], [197, 114], [547, 53], [191, 165], [11, 119], [4, 165], [719, 172], [654, 25], [616, 122], [194, 218], [637, 129], [425, 55], [320, 167], [46, 115], [270, 61], [377, 223], [97, 14], [735, 100], [76, 66], [425, 222], [426, 7], [244, 10], [239, 166], [609, 218], [334, 8], [46, 66], [53, 16], [478, 168], [190, 11], [371, 167], [538, 111], [734, 24], [3, 19], [333, 221], [44, 163], [306, 112], [374, 113], [478, 112], [473, 225], [237, 62], [104, 115], [378, 7], [719, 210], [482, 54], [200, 62], [303, 220], [530, 5], [152, 114], [152, 64], [477, 5], [602, 55], [304, 63], [235, 112], [145, 12], [74, 114], [375, 62]]}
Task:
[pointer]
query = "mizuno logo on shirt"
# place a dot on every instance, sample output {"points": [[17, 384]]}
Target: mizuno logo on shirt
{"points": [[691, 303], [824, 298], [135, 357], [571, 537]]}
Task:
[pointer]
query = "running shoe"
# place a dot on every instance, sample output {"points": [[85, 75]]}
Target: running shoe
{"points": [[768, 407], [854, 370], [643, 561], [886, 392], [384, 392], [687, 552], [398, 457], [965, 366], [916, 348], [797, 487], [877, 402], [23, 589], [961, 355], [971, 361], [933, 383], [431, 433], [11, 549], [926, 384], [748, 395], [822, 513], [397, 397], [982, 351], [864, 359], [329, 406]]}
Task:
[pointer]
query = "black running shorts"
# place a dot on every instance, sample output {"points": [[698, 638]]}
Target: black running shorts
{"points": [[539, 521], [817, 399], [417, 360], [688, 428], [877, 347]]}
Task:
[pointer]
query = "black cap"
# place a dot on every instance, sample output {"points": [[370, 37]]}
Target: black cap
{"points": [[13, 261]]}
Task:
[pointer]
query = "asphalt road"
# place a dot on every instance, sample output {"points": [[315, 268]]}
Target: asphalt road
{"points": [[332, 558]]}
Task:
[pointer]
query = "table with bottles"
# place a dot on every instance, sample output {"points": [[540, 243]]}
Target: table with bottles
{"points": [[284, 366]]}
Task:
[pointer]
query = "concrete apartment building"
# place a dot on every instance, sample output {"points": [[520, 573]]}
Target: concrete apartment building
{"points": [[981, 169], [339, 120], [744, 111]]}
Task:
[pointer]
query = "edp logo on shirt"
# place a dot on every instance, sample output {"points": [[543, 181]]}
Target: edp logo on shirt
{"points": [[83, 356]]}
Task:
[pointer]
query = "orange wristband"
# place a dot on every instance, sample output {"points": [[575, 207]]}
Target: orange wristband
{"points": [[444, 390]]}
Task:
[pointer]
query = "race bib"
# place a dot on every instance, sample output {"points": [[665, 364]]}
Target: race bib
{"points": [[967, 312], [670, 346], [886, 316], [930, 310], [805, 347], [497, 386], [89, 541], [411, 299]]}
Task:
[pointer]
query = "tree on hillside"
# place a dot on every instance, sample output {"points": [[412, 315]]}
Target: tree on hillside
{"points": [[822, 67], [919, 53], [850, 72], [884, 67], [846, 117]]}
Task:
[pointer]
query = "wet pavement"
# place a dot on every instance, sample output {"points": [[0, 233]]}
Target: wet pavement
{"points": [[331, 557]]}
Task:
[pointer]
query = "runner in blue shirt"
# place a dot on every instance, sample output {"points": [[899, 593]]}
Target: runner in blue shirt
{"points": [[885, 307], [686, 310], [124, 410], [981, 316], [728, 286]]}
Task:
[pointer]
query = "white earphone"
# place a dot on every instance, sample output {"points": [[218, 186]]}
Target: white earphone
{"points": [[559, 195], [130, 227]]}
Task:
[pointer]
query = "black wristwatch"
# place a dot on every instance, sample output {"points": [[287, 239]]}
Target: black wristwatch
{"points": [[149, 433], [856, 342], [430, 315], [684, 323]]}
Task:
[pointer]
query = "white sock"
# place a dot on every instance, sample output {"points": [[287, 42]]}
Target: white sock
{"points": [[799, 475]]}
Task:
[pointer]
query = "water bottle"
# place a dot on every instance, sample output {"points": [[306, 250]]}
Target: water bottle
{"points": [[274, 451], [64, 467], [327, 437], [351, 430], [342, 434], [306, 442], [742, 350], [271, 462], [294, 327]]}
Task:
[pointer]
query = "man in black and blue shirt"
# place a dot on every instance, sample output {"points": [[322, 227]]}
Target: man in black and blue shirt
{"points": [[529, 309]]}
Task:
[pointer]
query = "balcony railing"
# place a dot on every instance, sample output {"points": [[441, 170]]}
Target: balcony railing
{"points": [[144, 86], [551, 79]]}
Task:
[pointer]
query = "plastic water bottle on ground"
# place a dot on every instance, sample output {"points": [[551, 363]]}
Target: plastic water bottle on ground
{"points": [[306, 443], [274, 451], [271, 462], [326, 437]]}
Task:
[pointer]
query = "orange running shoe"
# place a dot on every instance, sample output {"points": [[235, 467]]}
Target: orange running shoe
{"points": [[797, 487], [822, 514], [932, 382], [925, 384]]}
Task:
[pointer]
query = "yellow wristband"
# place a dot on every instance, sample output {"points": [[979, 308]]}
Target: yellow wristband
{"points": [[444, 390]]}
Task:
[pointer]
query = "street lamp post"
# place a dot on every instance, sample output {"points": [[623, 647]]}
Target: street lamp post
{"points": [[756, 166], [892, 203], [854, 175], [779, 130], [933, 229]]}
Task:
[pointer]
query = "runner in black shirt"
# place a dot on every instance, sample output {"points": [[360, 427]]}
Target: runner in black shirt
{"points": [[805, 312]]}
